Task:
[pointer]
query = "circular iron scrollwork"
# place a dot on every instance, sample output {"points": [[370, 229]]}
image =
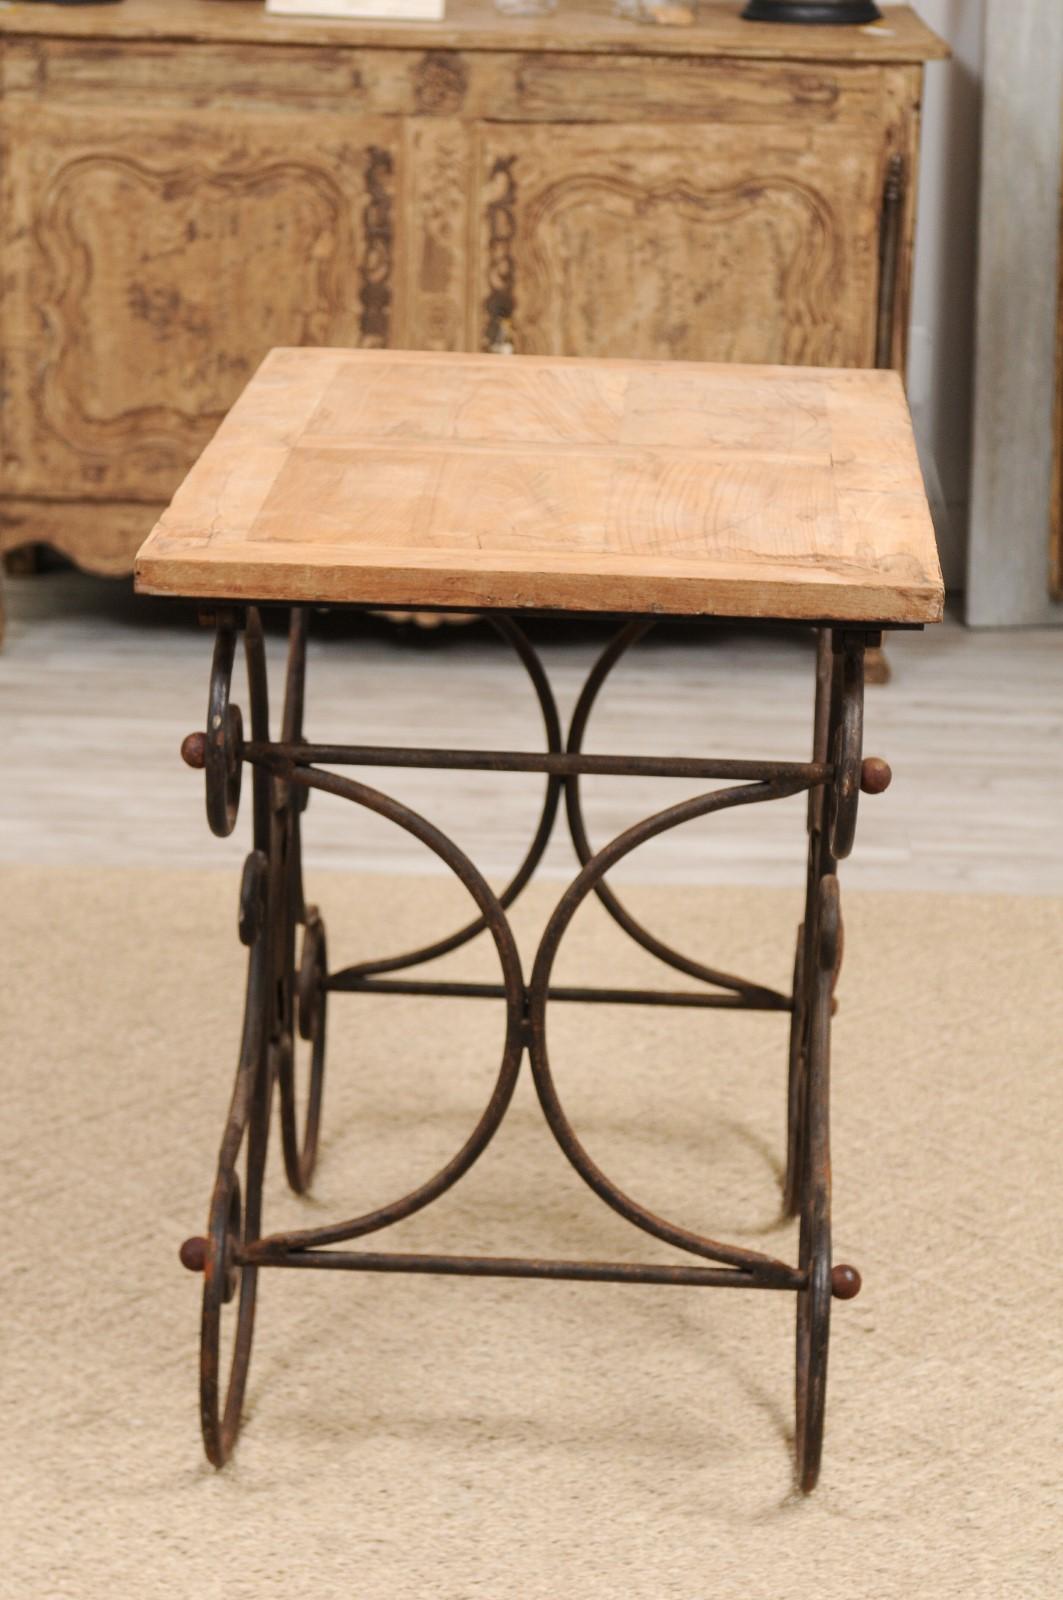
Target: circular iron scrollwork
{"points": [[528, 656], [846, 751], [813, 1301], [618, 646], [492, 915], [225, 737], [586, 883]]}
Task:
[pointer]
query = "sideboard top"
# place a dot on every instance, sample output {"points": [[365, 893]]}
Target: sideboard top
{"points": [[476, 25]]}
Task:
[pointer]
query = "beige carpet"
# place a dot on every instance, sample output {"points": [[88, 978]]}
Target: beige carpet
{"points": [[437, 1438]]}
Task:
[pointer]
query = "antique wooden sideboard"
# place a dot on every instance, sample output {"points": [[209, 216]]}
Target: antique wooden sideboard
{"points": [[186, 183]]}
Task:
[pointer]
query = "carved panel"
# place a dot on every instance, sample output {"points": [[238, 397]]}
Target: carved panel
{"points": [[500, 200], [378, 222], [515, 85], [440, 83], [439, 167], [698, 243], [152, 263]]}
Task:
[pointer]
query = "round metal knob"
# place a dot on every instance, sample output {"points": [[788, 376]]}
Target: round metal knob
{"points": [[193, 1254], [194, 750], [875, 775], [845, 1283]]}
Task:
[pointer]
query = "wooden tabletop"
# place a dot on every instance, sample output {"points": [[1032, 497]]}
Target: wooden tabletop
{"points": [[590, 25], [404, 479]]}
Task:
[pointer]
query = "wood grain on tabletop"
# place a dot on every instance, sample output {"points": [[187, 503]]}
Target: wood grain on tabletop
{"points": [[409, 479]]}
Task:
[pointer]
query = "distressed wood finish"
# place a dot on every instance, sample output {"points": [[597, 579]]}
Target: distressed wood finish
{"points": [[477, 25], [187, 184], [409, 479], [133, 366], [696, 257]]}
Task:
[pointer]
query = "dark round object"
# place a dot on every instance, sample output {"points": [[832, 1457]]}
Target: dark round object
{"points": [[813, 1338], [845, 1282], [312, 975], [224, 766], [221, 1394], [193, 1254], [310, 997], [194, 750], [830, 923], [843, 794], [812, 11], [224, 738], [253, 891], [875, 775], [225, 1260]]}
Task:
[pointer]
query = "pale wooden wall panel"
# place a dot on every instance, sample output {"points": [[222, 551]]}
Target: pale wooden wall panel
{"points": [[1008, 563]]}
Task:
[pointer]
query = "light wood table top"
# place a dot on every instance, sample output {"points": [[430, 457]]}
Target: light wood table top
{"points": [[403, 479]]}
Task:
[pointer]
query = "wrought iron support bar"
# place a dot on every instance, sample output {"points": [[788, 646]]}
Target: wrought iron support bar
{"points": [[349, 981], [260, 1254], [557, 764]]}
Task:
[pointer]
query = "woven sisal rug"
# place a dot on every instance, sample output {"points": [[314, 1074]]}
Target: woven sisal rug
{"points": [[436, 1439]]}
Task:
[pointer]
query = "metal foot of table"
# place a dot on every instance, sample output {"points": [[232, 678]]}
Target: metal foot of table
{"points": [[290, 980]]}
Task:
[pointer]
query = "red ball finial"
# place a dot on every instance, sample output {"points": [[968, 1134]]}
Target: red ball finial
{"points": [[845, 1283], [194, 750], [193, 1254], [875, 775]]}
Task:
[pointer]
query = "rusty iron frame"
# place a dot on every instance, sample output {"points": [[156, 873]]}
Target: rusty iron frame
{"points": [[289, 983]]}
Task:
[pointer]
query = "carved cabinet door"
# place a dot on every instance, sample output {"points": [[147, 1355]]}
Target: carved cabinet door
{"points": [[153, 258], [682, 240]]}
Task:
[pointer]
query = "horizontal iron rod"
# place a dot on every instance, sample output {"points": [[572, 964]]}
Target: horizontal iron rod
{"points": [[870, 629], [557, 764], [348, 982], [514, 1267]]}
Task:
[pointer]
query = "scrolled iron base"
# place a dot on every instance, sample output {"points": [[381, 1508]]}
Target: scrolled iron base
{"points": [[289, 983]]}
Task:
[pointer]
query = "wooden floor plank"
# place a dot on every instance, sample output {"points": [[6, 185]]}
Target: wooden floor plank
{"points": [[98, 687]]}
